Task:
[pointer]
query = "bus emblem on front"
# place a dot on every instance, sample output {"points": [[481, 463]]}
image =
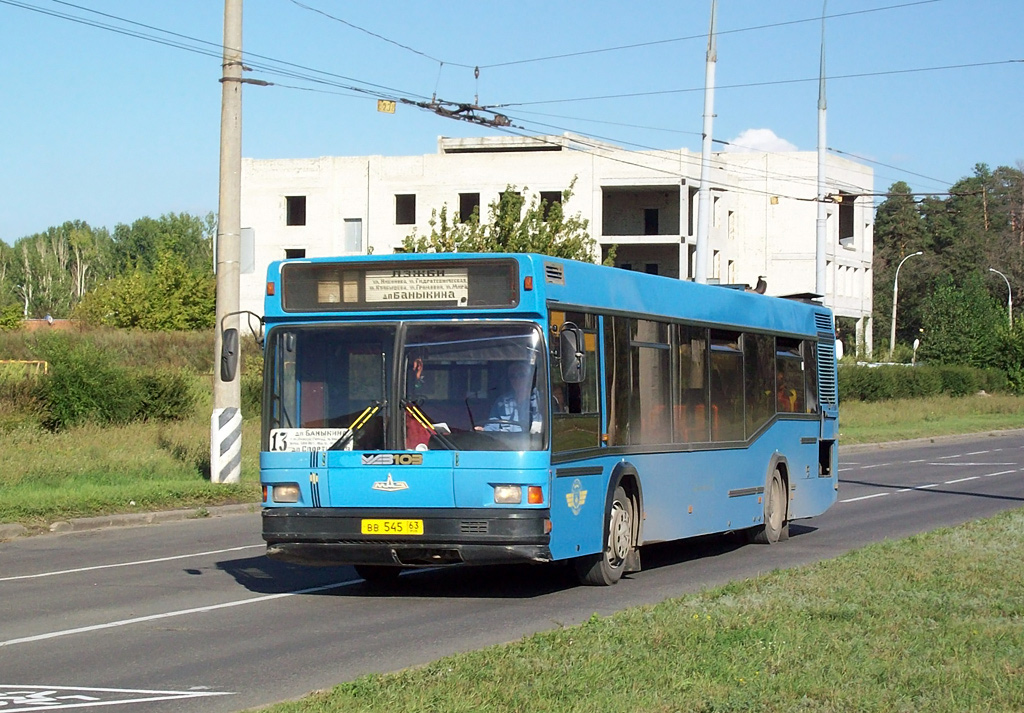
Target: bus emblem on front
{"points": [[390, 485]]}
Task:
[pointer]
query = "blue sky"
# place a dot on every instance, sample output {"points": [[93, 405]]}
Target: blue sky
{"points": [[105, 127]]}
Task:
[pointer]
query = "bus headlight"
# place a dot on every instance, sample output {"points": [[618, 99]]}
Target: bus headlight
{"points": [[286, 493], [508, 494]]}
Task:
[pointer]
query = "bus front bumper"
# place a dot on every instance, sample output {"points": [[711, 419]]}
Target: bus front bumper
{"points": [[333, 536]]}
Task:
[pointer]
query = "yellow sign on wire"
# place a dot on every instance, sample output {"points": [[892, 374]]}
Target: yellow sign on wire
{"points": [[386, 106]]}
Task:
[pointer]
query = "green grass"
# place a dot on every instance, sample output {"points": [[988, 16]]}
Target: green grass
{"points": [[862, 422], [96, 471], [931, 623], [136, 468]]}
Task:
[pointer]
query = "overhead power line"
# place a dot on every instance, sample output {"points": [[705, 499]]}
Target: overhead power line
{"points": [[632, 95], [702, 37]]}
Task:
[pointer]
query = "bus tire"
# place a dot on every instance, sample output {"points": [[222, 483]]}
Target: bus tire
{"points": [[775, 512], [605, 568], [379, 574]]}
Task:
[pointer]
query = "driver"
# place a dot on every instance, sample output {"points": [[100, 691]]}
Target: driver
{"points": [[517, 409]]}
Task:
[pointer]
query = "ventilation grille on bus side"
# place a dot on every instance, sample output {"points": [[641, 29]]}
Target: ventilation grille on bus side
{"points": [[823, 322], [554, 273], [473, 527], [826, 372], [827, 381]]}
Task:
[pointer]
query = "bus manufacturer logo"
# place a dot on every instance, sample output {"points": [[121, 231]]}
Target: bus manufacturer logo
{"points": [[393, 459], [390, 485], [576, 497]]}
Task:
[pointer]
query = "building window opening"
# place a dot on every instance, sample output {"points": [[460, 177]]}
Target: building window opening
{"points": [[294, 253], [405, 209], [468, 204], [846, 223], [650, 221], [295, 210], [548, 199]]}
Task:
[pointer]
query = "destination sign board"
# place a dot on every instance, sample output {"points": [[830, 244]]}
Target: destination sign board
{"points": [[437, 284]]}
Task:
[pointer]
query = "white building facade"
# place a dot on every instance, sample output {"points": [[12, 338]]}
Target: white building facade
{"points": [[763, 220]]}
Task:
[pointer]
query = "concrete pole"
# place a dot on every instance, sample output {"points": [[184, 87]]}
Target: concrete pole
{"points": [[895, 293], [821, 224], [704, 193], [226, 422]]}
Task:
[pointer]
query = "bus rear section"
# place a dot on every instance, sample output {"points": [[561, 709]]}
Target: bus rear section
{"points": [[391, 443]]}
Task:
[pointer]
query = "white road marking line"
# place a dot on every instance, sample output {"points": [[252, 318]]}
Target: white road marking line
{"points": [[129, 564], [40, 698], [963, 480], [918, 460], [864, 497], [877, 465], [967, 464], [180, 612], [1002, 472], [976, 453], [958, 455]]}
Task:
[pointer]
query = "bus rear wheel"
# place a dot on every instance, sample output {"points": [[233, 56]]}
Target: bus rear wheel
{"points": [[606, 567], [775, 526]]}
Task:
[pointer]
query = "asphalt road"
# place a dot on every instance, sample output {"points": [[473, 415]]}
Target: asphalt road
{"points": [[190, 616]]}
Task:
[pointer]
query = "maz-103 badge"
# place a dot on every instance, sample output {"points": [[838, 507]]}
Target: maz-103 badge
{"points": [[391, 459], [576, 497], [390, 485]]}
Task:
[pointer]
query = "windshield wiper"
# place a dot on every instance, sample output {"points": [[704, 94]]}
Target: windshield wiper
{"points": [[421, 418], [357, 425]]}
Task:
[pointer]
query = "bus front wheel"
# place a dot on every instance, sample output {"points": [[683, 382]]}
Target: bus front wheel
{"points": [[775, 525], [606, 567]]}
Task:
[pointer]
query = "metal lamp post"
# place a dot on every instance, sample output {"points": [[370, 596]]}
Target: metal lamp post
{"points": [[895, 293], [1009, 295]]}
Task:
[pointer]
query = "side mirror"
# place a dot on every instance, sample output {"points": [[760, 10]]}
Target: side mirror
{"points": [[229, 354], [570, 354]]}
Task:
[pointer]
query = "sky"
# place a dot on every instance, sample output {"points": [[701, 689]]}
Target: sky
{"points": [[110, 109]]}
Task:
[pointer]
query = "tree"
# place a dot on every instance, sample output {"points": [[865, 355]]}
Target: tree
{"points": [[512, 226], [963, 323], [899, 231], [170, 297]]}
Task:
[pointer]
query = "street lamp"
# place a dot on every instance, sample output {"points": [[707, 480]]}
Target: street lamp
{"points": [[895, 292], [1009, 294]]}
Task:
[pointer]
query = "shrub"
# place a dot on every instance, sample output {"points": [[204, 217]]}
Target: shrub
{"points": [[882, 383], [252, 393], [166, 395], [84, 386]]}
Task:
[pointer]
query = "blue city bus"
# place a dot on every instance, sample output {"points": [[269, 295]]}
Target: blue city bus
{"points": [[435, 409]]}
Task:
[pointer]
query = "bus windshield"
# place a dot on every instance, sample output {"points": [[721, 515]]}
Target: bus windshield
{"points": [[418, 386], [474, 386]]}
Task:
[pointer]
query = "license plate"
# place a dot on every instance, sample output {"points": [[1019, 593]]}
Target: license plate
{"points": [[392, 527]]}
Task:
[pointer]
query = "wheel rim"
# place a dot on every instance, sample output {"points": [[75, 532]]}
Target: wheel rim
{"points": [[775, 505], [619, 534]]}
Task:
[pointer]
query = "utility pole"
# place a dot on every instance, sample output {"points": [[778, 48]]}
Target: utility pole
{"points": [[704, 193], [821, 224], [226, 421]]}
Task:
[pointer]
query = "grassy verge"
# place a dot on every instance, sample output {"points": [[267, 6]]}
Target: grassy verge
{"points": [[861, 422], [156, 466], [97, 471], [931, 623]]}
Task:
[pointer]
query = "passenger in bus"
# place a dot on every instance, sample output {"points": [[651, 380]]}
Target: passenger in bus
{"points": [[786, 396], [517, 409]]}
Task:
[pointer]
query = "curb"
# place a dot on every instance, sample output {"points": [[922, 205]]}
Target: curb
{"points": [[928, 440], [12, 531]]}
